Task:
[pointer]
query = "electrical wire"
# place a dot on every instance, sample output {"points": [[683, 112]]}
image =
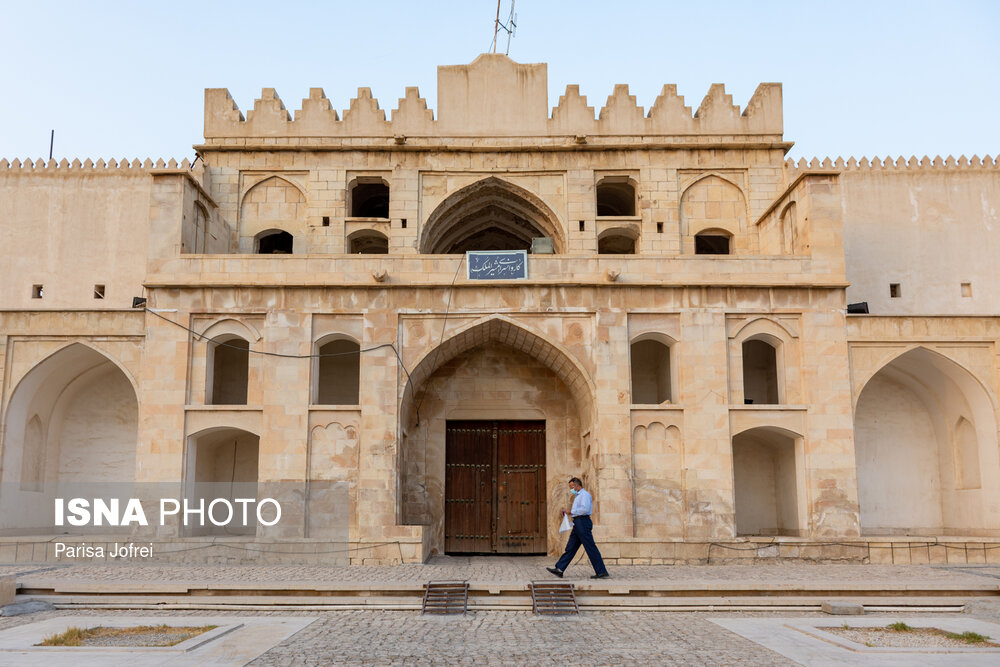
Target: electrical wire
{"points": [[444, 327], [199, 336]]}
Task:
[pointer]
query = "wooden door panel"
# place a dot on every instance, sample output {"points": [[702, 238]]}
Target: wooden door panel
{"points": [[468, 487], [521, 491], [495, 487]]}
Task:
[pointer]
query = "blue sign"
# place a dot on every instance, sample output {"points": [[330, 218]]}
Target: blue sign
{"points": [[496, 264]]}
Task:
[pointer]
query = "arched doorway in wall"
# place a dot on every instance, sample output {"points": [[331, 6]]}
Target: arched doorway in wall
{"points": [[222, 463], [769, 482], [490, 214], [70, 432], [926, 449], [496, 405]]}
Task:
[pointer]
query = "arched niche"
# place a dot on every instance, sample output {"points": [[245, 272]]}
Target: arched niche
{"points": [[653, 371], [222, 463], [228, 357], [491, 370], [70, 431], [617, 241], [274, 242], [368, 242], [491, 214], [769, 482], [337, 371], [764, 354], [713, 242], [368, 197], [274, 203], [925, 433], [615, 196], [715, 207]]}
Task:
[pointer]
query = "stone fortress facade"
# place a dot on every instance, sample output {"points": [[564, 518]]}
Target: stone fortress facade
{"points": [[681, 341]]}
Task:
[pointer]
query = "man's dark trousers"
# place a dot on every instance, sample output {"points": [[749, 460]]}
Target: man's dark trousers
{"points": [[582, 534]]}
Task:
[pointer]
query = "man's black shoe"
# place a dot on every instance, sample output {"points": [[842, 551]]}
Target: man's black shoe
{"points": [[602, 575], [556, 571]]}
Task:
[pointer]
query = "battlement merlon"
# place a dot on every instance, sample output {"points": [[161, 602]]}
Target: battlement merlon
{"points": [[495, 97]]}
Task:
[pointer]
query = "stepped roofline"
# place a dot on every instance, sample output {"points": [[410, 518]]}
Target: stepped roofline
{"points": [[493, 96]]}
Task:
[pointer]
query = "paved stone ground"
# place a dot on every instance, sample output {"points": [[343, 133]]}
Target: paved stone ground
{"points": [[626, 639], [512, 569], [507, 637], [492, 638]]}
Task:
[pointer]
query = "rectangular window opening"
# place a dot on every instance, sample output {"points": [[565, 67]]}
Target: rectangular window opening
{"points": [[98, 291], [967, 290], [894, 291], [583, 226], [326, 221], [402, 223], [37, 291], [659, 228]]}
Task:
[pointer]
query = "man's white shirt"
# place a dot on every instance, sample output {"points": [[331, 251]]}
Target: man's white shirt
{"points": [[583, 504]]}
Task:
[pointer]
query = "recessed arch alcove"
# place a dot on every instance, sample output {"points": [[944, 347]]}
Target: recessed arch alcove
{"points": [[925, 434], [70, 431], [495, 370], [490, 214]]}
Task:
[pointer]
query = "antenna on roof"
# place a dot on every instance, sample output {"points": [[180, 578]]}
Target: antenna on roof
{"points": [[510, 27]]}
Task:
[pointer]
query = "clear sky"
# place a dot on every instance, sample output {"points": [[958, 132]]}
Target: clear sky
{"points": [[126, 79]]}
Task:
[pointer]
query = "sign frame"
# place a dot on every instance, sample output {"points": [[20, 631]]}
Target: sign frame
{"points": [[521, 272]]}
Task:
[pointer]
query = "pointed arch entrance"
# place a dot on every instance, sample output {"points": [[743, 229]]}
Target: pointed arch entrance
{"points": [[494, 419], [926, 449], [490, 214], [70, 431]]}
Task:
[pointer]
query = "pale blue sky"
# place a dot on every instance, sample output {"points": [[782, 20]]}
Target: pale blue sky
{"points": [[126, 79]]}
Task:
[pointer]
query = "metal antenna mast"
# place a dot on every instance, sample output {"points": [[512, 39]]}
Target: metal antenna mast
{"points": [[510, 27]]}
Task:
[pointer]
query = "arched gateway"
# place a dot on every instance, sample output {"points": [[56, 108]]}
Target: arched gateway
{"points": [[494, 421]]}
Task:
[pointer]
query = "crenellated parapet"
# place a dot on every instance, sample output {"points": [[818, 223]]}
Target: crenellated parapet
{"points": [[950, 163], [100, 166], [496, 97]]}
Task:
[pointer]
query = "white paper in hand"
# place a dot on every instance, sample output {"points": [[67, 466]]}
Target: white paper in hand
{"points": [[565, 525]]}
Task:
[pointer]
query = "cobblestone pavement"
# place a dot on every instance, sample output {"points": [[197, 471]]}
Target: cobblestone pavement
{"points": [[491, 638], [639, 639], [511, 569]]}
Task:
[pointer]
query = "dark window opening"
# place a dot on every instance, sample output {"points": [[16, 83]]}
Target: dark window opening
{"points": [[616, 198], [659, 228], [760, 373], [370, 200], [650, 372], [230, 366], [369, 244], [402, 223], [711, 244], [275, 243], [583, 226], [339, 373], [37, 291], [615, 244], [98, 291], [894, 291], [326, 221]]}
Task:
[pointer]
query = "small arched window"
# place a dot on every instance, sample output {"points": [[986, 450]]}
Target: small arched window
{"points": [[760, 373], [229, 359], [369, 198], [651, 374], [616, 244], [274, 242], [338, 372], [615, 196], [369, 242], [713, 242]]}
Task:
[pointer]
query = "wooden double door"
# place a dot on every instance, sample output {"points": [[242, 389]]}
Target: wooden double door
{"points": [[494, 487]]}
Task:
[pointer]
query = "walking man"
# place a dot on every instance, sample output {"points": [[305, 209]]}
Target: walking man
{"points": [[583, 505]]}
